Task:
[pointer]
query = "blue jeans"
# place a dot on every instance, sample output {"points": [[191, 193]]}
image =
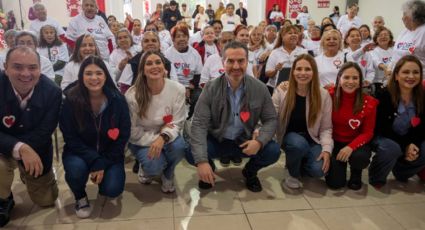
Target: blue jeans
{"points": [[77, 173], [302, 154], [266, 156], [172, 153], [389, 156]]}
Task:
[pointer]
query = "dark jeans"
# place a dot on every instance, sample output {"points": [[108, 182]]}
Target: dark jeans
{"points": [[302, 154], [77, 173], [266, 156], [359, 160], [389, 156]]}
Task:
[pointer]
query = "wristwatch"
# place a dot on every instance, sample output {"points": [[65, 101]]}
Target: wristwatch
{"points": [[165, 137]]}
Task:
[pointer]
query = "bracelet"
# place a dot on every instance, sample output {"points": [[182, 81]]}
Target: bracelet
{"points": [[165, 137]]}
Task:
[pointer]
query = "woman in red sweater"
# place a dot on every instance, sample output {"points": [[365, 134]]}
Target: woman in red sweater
{"points": [[353, 120]]}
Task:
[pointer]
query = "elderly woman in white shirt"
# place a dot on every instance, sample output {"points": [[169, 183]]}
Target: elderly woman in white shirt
{"points": [[123, 53]]}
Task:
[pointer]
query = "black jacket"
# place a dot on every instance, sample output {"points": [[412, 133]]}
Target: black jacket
{"points": [[95, 147], [166, 18], [386, 113], [35, 124]]}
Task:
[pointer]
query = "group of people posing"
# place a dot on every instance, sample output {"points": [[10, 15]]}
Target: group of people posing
{"points": [[227, 95]]}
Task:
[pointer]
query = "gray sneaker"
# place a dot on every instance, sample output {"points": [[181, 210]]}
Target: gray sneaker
{"points": [[82, 208]]}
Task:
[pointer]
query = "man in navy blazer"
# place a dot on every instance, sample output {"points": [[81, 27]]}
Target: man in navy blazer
{"points": [[29, 110]]}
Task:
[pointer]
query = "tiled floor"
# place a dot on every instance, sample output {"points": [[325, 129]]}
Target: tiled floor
{"points": [[230, 206]]}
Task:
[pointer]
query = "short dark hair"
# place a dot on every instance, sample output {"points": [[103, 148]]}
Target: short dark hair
{"points": [[22, 49], [230, 5], [235, 45], [216, 22]]}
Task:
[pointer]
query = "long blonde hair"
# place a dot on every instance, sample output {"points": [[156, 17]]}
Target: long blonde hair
{"points": [[313, 95], [143, 94]]}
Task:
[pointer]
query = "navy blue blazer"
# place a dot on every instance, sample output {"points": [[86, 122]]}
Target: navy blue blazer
{"points": [[35, 124], [93, 144]]}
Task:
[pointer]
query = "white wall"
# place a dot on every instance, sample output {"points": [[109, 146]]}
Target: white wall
{"points": [[390, 10], [256, 9]]}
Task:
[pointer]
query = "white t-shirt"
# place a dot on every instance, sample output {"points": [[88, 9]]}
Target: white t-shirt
{"points": [[381, 56], [328, 67], [185, 65], [202, 20], [117, 55], [171, 101], [137, 39], [54, 54], [303, 19], [165, 40], [71, 73], [311, 45], [280, 55], [210, 50], [213, 68], [96, 27], [410, 42], [37, 24], [276, 15], [230, 22], [344, 24], [365, 62], [195, 38]]}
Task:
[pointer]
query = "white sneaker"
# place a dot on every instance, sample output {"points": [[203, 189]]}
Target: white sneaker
{"points": [[292, 182], [141, 176], [82, 208], [167, 185]]}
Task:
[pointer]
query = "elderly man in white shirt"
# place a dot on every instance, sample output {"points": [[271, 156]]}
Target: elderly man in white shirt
{"points": [[43, 19]]}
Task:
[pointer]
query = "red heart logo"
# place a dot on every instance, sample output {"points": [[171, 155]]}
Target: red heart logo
{"points": [[167, 118], [412, 49], [337, 63], [113, 133], [8, 121], [177, 65], [354, 123], [186, 72], [415, 121], [221, 71], [245, 116], [363, 62]]}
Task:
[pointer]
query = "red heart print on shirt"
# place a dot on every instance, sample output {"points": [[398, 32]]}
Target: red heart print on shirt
{"points": [[113, 133], [90, 30], [245, 116], [415, 121], [186, 72], [337, 63], [8, 121], [177, 65], [354, 123], [363, 62], [412, 49], [167, 118], [221, 71]]}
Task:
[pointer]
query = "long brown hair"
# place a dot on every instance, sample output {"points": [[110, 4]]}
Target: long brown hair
{"points": [[313, 95], [417, 91], [358, 102], [142, 92]]}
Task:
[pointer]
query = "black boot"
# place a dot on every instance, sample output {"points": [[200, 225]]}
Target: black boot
{"points": [[252, 181], [355, 182], [6, 206], [136, 167]]}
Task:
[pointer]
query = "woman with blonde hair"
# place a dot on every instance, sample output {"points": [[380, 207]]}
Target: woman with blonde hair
{"points": [[304, 127]]}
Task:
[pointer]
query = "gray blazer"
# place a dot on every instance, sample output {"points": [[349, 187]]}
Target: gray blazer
{"points": [[213, 108]]}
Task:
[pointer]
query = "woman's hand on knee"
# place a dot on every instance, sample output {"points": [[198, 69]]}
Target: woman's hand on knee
{"points": [[325, 156], [344, 154], [97, 177]]}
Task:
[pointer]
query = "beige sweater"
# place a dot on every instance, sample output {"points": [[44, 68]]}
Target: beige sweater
{"points": [[320, 132], [171, 101]]}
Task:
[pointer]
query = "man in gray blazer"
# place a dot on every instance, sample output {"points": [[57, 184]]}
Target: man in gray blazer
{"points": [[226, 120]]}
